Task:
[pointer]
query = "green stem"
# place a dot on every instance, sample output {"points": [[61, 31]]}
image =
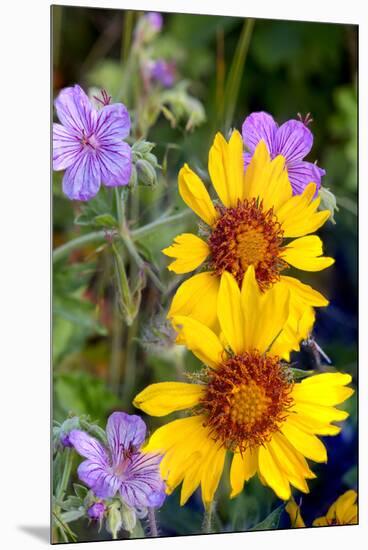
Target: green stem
{"points": [[100, 236], [236, 72], [61, 490], [209, 510], [63, 485], [126, 35], [141, 264], [116, 349]]}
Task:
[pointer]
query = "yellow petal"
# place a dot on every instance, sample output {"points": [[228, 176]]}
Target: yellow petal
{"points": [[272, 474], [166, 397], [329, 378], [345, 506], [327, 389], [298, 216], [320, 412], [288, 463], [197, 298], [304, 293], [243, 467], [182, 442], [255, 180], [230, 314], [320, 522], [294, 513], [236, 475], [212, 472], [195, 195], [305, 253], [312, 425], [200, 340], [277, 188], [226, 168], [265, 315], [307, 444], [190, 252]]}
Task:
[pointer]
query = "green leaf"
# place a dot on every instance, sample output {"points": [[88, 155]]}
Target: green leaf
{"points": [[105, 220], [71, 503], [72, 515], [80, 490], [271, 522], [299, 374]]}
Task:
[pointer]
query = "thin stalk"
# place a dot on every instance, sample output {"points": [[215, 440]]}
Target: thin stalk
{"points": [[141, 264], [61, 490], [116, 349], [126, 35], [63, 485], [209, 510], [152, 522], [236, 72], [100, 236], [130, 367]]}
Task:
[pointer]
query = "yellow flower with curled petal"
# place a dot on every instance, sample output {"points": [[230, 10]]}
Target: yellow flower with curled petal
{"points": [[344, 511], [245, 401], [257, 223]]}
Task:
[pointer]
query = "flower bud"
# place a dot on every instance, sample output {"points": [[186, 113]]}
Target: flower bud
{"points": [[114, 520], [146, 173], [96, 511], [129, 517]]}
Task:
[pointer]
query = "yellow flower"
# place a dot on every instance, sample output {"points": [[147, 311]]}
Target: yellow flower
{"points": [[344, 511], [249, 227], [245, 401]]}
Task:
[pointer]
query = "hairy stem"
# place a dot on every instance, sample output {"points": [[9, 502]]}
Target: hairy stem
{"points": [[207, 526], [152, 522], [100, 236]]}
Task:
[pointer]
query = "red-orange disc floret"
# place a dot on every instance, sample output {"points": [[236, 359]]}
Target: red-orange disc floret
{"points": [[246, 235], [246, 400]]}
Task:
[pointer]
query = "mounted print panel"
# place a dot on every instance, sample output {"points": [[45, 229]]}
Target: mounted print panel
{"points": [[204, 274]]}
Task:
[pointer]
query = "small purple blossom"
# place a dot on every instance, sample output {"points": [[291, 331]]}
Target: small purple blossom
{"points": [[154, 19], [96, 511], [164, 72], [121, 467], [88, 144], [293, 140]]}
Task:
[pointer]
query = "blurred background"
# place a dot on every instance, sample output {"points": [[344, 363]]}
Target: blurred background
{"points": [[219, 70]]}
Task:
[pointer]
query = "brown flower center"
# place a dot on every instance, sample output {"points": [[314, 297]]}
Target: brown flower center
{"points": [[246, 235], [246, 400]]}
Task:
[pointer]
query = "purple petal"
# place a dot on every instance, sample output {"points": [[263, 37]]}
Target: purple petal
{"points": [[98, 478], [89, 447], [143, 484], [82, 179], [301, 173], [259, 126], [115, 159], [75, 111], [293, 140], [113, 123], [65, 147], [124, 430]]}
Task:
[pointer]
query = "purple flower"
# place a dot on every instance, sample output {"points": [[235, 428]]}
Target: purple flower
{"points": [[164, 72], [121, 467], [293, 140], [96, 511], [88, 144], [154, 19]]}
